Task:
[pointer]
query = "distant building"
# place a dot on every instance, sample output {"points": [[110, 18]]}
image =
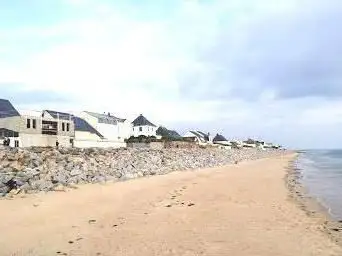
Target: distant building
{"points": [[220, 141], [142, 126], [197, 136]]}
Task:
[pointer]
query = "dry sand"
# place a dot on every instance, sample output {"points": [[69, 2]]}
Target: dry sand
{"points": [[237, 210]]}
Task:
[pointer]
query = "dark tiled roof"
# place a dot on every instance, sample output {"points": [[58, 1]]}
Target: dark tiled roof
{"points": [[84, 126], [59, 115], [7, 109], [142, 121], [219, 137], [106, 119]]}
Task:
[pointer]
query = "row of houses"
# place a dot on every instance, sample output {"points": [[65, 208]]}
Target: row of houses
{"points": [[84, 129], [220, 141]]}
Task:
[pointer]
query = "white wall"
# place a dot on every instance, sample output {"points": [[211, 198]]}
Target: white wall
{"points": [[145, 130], [91, 140], [125, 129], [80, 135], [109, 131], [40, 140]]}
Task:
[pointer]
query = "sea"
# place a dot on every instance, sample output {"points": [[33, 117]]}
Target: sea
{"points": [[322, 177]]}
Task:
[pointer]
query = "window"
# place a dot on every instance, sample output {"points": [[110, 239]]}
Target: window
{"points": [[68, 127], [140, 129], [28, 123], [34, 123], [49, 127], [16, 143], [63, 127]]}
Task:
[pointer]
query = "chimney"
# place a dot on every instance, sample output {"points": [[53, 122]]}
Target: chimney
{"points": [[108, 113]]}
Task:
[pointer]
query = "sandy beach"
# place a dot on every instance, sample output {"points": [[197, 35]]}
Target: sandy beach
{"points": [[241, 210]]}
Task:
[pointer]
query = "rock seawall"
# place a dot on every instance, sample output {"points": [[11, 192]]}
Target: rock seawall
{"points": [[45, 169]]}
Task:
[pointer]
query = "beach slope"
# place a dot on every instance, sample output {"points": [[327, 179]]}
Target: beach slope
{"points": [[241, 210]]}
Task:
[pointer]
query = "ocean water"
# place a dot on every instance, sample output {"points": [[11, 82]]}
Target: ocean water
{"points": [[322, 177]]}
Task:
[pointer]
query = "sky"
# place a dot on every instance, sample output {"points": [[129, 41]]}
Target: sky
{"points": [[264, 69]]}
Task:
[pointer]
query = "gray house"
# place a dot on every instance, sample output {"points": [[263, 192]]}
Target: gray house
{"points": [[34, 128]]}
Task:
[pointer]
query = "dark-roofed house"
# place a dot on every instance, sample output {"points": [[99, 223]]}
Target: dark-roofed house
{"points": [[32, 128], [197, 136], [142, 126], [220, 140]]}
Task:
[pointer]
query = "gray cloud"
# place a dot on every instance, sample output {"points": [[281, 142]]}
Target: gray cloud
{"points": [[294, 56], [15, 93]]}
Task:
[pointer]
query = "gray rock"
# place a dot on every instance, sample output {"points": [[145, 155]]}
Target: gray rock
{"points": [[29, 173], [42, 185], [6, 177], [70, 166], [4, 189], [26, 187], [60, 177], [99, 179], [75, 172]]}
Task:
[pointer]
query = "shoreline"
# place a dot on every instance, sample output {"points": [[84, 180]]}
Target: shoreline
{"points": [[299, 194]]}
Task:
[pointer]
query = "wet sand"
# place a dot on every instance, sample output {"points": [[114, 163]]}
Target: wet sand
{"points": [[311, 205], [243, 209]]}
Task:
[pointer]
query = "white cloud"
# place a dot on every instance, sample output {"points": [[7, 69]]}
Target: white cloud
{"points": [[113, 61]]}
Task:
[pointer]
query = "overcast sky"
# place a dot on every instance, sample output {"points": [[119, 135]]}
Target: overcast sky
{"points": [[265, 69]]}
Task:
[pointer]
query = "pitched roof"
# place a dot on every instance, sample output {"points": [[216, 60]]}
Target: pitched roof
{"points": [[7, 109], [201, 135], [219, 137], [84, 126], [59, 115], [142, 121], [163, 131], [106, 119]]}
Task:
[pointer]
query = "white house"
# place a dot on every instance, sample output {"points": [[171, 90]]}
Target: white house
{"points": [[111, 127], [106, 130], [142, 126], [198, 136]]}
